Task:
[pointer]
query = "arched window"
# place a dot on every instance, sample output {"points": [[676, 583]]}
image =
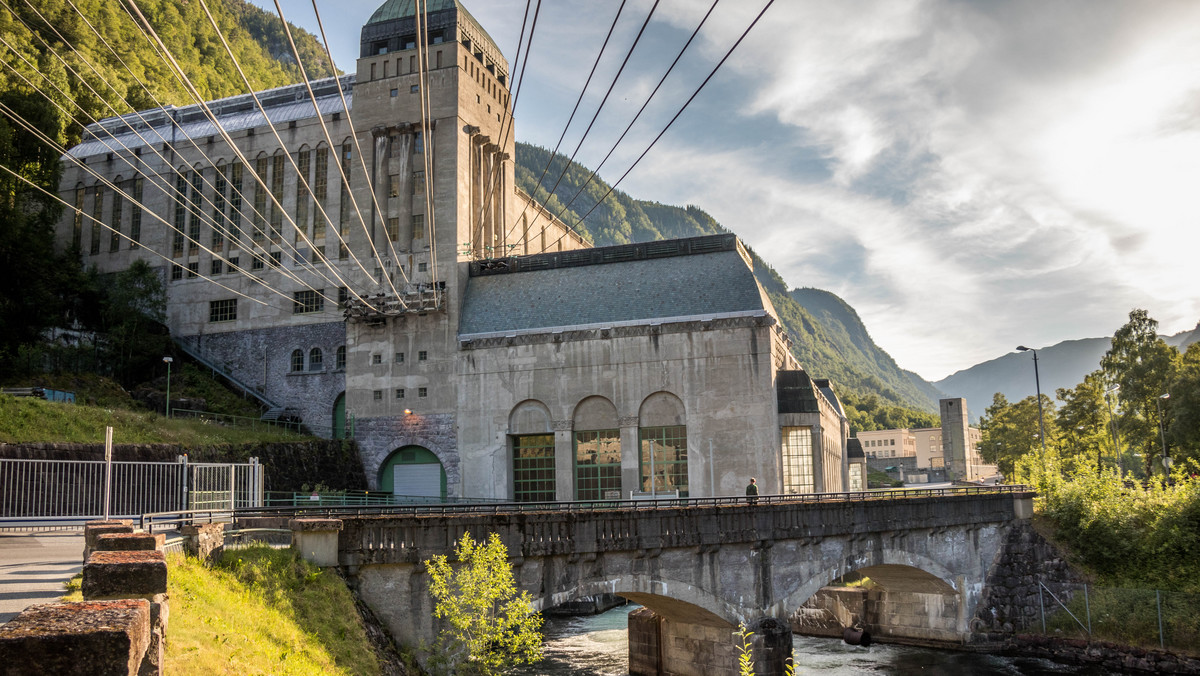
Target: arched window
{"points": [[597, 441], [316, 360], [662, 432], [297, 360], [340, 358]]}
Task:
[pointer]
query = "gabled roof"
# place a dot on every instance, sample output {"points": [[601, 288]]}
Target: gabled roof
{"points": [[582, 289]]}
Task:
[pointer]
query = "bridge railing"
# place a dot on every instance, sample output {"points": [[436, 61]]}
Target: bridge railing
{"points": [[499, 507]]}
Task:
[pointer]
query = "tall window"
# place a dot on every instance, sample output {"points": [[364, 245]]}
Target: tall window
{"points": [[344, 216], [316, 359], [669, 448], [180, 214], [393, 228], [118, 207], [418, 226], [218, 233], [598, 465], [798, 460], [308, 301], [194, 228], [135, 213], [340, 357], [77, 223], [302, 198], [297, 361], [235, 201], [418, 181], [260, 199], [277, 193], [533, 468], [321, 191], [97, 215]]}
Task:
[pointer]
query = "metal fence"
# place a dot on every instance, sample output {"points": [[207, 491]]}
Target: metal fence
{"points": [[1146, 618], [67, 493]]}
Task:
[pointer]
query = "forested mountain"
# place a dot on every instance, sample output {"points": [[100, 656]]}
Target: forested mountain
{"points": [[828, 337], [59, 75]]}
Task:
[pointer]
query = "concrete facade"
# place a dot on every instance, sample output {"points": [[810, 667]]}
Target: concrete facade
{"points": [[364, 254]]}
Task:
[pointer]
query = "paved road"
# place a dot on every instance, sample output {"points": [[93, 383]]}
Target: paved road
{"points": [[34, 566]]}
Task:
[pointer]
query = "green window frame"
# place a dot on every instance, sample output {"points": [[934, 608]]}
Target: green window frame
{"points": [[597, 464], [533, 468], [670, 458]]}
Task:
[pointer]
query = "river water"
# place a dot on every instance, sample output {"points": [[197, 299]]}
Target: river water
{"points": [[598, 646]]}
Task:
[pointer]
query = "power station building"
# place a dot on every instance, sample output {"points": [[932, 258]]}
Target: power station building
{"points": [[355, 251]]}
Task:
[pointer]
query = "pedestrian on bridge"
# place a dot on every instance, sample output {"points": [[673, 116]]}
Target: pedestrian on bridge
{"points": [[752, 492]]}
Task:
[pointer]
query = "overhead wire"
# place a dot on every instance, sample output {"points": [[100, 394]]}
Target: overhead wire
{"points": [[611, 86], [506, 124], [181, 77], [427, 129], [558, 216], [571, 118], [358, 150], [678, 113], [57, 147], [167, 188], [267, 120], [117, 231]]}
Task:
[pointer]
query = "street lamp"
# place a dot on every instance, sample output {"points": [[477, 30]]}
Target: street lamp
{"points": [[1166, 462], [168, 361], [1037, 381]]}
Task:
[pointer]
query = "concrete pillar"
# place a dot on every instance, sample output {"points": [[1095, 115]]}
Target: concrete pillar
{"points": [[631, 479], [771, 646], [205, 541], [105, 637], [564, 461], [94, 529], [316, 540]]}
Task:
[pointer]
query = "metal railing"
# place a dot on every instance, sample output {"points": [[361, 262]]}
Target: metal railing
{"points": [[67, 493], [449, 506], [236, 420]]}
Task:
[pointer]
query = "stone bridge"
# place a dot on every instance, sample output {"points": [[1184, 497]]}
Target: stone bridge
{"points": [[705, 566]]}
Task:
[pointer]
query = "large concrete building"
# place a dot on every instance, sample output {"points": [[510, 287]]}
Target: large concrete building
{"points": [[949, 452], [355, 251]]}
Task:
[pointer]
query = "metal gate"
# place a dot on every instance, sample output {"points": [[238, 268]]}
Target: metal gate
{"points": [[48, 493]]}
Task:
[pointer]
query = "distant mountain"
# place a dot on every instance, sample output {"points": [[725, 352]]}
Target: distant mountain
{"points": [[1061, 365], [828, 337]]}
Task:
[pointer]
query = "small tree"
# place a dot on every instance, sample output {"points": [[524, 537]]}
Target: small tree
{"points": [[489, 626]]}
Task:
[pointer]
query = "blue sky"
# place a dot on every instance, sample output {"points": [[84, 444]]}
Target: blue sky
{"points": [[968, 175]]}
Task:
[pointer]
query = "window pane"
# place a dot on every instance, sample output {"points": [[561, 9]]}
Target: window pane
{"points": [[533, 468], [670, 458], [598, 465], [797, 460]]}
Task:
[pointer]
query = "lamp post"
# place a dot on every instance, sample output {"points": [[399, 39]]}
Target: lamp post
{"points": [[1162, 432], [1112, 426], [168, 361], [1037, 381]]}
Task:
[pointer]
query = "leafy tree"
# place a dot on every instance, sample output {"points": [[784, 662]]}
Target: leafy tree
{"points": [[1183, 429], [133, 315], [1142, 364], [1010, 431], [488, 626], [1083, 419]]}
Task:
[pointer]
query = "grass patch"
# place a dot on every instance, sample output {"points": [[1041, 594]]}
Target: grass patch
{"points": [[263, 611], [23, 419]]}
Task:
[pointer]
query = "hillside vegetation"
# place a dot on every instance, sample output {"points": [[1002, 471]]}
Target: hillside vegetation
{"points": [[828, 337]]}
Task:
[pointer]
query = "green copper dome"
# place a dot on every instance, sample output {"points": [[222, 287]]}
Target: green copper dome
{"points": [[402, 9]]}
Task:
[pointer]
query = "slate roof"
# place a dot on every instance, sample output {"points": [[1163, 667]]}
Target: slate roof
{"points": [[235, 113], [712, 285]]}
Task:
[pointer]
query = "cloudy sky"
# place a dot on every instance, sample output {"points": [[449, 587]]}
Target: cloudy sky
{"points": [[969, 176]]}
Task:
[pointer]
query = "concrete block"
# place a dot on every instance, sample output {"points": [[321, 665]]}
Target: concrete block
{"points": [[205, 541], [99, 638], [94, 529], [126, 542], [124, 574], [316, 540]]}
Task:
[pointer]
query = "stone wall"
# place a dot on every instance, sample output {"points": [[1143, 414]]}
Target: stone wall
{"points": [[437, 432], [262, 358], [1010, 600], [289, 466]]}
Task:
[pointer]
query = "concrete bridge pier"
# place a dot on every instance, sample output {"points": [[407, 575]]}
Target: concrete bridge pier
{"points": [[659, 646]]}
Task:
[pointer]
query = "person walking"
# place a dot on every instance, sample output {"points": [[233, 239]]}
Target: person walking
{"points": [[752, 492]]}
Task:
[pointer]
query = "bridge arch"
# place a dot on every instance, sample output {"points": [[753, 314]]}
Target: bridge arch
{"points": [[671, 598], [905, 570]]}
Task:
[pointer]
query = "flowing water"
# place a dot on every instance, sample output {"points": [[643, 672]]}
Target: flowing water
{"points": [[597, 646]]}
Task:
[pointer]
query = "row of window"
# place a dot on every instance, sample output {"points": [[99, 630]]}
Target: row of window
{"points": [[316, 360], [303, 302], [597, 460], [131, 191], [422, 392], [398, 358]]}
